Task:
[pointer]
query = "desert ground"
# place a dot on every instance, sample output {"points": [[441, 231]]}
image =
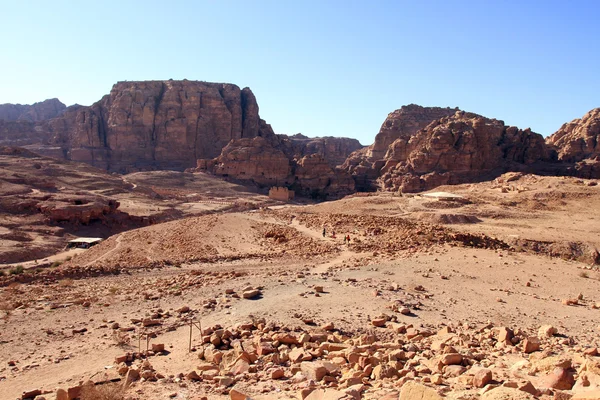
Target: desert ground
{"points": [[491, 292]]}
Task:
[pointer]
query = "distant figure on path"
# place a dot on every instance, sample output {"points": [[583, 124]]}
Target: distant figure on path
{"points": [[348, 239], [324, 232]]}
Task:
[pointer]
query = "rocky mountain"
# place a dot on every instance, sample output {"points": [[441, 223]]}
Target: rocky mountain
{"points": [[36, 112], [464, 147], [366, 163]]}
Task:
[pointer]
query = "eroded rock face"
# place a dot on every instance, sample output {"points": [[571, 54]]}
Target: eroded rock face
{"points": [[158, 125], [578, 143], [366, 163], [253, 159], [579, 139], [404, 123], [462, 148], [262, 162], [36, 112], [333, 149]]}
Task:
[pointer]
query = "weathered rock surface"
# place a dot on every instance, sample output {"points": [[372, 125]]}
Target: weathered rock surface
{"points": [[334, 150], [364, 164], [158, 124], [262, 162], [578, 142], [579, 139], [465, 147], [36, 112]]}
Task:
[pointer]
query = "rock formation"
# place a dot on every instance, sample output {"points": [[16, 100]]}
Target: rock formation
{"points": [[36, 112], [333, 149], [158, 124], [365, 163], [462, 148], [262, 162], [578, 142], [579, 139], [253, 159]]}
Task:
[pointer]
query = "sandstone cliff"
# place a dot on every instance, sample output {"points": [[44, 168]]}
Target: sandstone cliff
{"points": [[262, 161], [333, 149], [366, 163], [36, 112], [158, 125], [577, 144], [579, 139], [465, 147]]}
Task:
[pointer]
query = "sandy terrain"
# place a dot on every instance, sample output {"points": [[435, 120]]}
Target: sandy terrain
{"points": [[521, 249]]}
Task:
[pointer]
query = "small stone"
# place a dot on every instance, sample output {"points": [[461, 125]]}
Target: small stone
{"points": [[547, 331], [451, 359], [251, 294]]}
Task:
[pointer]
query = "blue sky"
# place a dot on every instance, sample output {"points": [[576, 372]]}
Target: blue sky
{"points": [[318, 67]]}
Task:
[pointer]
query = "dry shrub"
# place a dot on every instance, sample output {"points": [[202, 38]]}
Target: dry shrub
{"points": [[121, 338], [107, 391], [66, 283]]}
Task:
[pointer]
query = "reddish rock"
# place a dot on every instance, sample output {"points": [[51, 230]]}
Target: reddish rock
{"points": [[465, 147], [36, 112], [482, 377], [531, 344], [560, 378]]}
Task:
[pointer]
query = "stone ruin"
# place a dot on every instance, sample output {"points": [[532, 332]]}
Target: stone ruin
{"points": [[281, 193]]}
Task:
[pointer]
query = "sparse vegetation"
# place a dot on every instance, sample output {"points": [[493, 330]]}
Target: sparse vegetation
{"points": [[65, 283], [55, 264], [121, 339], [113, 290], [18, 270]]}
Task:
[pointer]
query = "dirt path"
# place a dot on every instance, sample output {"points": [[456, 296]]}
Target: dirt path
{"points": [[108, 253]]}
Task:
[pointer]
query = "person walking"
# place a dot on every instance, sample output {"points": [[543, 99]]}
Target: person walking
{"points": [[324, 232]]}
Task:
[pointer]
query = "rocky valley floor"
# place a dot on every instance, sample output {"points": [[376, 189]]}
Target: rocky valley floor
{"points": [[492, 295]]}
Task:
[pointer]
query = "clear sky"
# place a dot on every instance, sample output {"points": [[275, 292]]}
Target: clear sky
{"points": [[318, 67]]}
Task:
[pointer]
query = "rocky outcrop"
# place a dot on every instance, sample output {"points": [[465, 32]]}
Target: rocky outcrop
{"points": [[20, 133], [314, 177], [333, 149], [158, 125], [402, 124], [578, 143], [365, 164], [462, 148], [262, 162], [579, 139], [253, 159], [36, 112]]}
